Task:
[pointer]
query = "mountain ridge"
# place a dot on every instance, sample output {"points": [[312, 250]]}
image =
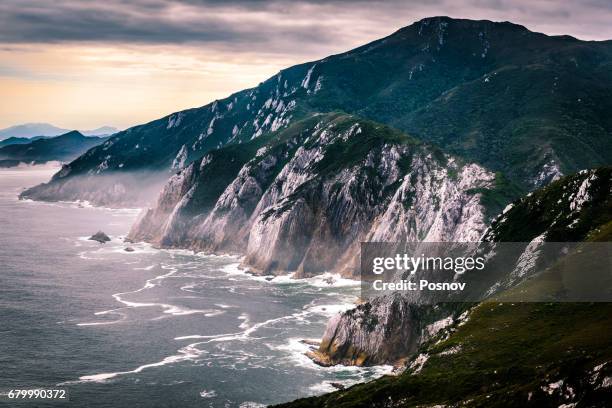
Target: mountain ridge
{"points": [[37, 129], [64, 147], [416, 80]]}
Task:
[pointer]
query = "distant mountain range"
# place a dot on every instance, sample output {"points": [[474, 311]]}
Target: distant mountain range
{"points": [[20, 140], [29, 130], [42, 149]]}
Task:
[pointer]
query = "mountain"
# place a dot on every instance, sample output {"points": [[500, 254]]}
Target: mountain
{"points": [[60, 148], [32, 130], [101, 131], [504, 353], [19, 140], [28, 130], [528, 105]]}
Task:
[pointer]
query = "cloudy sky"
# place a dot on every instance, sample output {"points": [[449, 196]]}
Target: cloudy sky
{"points": [[83, 64]]}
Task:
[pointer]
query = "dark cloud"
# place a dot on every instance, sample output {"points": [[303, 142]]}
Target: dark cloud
{"points": [[274, 26], [82, 21]]}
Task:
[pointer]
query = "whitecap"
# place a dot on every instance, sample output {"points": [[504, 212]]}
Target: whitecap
{"points": [[123, 316], [251, 404], [208, 394], [146, 268], [186, 353], [330, 310]]}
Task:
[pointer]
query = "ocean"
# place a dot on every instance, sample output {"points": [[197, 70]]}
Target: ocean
{"points": [[149, 328]]}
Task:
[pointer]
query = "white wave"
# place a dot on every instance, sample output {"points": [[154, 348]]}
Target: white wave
{"points": [[251, 404], [244, 335], [356, 375], [330, 310], [324, 280], [224, 306], [186, 353], [190, 287], [245, 321], [233, 269], [84, 204], [296, 350], [170, 309], [208, 394], [123, 317], [324, 387], [327, 279], [146, 268]]}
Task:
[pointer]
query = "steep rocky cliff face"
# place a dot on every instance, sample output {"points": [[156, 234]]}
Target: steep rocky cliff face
{"points": [[302, 199], [385, 329], [472, 87], [380, 331]]}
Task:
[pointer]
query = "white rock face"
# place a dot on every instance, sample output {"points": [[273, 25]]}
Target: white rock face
{"points": [[286, 214], [550, 172], [440, 208], [180, 159]]}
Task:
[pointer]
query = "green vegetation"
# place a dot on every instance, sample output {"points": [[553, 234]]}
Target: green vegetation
{"points": [[496, 198], [506, 354], [550, 209], [343, 154], [510, 354]]}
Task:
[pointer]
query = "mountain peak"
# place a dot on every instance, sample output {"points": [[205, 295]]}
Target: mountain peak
{"points": [[72, 133], [101, 131], [467, 22], [30, 130], [440, 26]]}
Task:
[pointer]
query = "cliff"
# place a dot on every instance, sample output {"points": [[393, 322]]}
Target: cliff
{"points": [[573, 209], [303, 198]]}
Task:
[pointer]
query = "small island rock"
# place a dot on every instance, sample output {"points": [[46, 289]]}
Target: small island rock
{"points": [[100, 236]]}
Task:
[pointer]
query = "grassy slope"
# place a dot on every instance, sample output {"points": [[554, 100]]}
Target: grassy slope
{"points": [[507, 351]]}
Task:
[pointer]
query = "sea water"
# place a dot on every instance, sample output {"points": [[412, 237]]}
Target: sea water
{"points": [[149, 328]]}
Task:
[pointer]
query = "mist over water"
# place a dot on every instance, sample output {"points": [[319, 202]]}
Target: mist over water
{"points": [[149, 327], [117, 189]]}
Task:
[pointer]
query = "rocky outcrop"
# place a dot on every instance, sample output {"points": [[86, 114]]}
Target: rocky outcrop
{"points": [[383, 330], [100, 237], [564, 211]]}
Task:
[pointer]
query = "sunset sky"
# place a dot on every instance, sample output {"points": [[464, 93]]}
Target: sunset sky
{"points": [[84, 64]]}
